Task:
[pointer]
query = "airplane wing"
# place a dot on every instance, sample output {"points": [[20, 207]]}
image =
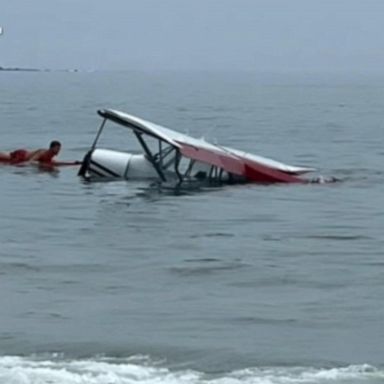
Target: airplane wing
{"points": [[294, 170], [252, 171], [140, 125], [252, 167]]}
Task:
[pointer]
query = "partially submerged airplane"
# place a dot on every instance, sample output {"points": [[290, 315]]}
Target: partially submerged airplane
{"points": [[169, 156]]}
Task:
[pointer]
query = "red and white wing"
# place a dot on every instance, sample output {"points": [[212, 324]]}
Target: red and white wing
{"points": [[251, 167]]}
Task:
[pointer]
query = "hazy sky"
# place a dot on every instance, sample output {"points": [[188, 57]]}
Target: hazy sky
{"points": [[265, 35]]}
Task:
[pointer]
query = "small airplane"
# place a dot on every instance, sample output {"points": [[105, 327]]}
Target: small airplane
{"points": [[169, 156]]}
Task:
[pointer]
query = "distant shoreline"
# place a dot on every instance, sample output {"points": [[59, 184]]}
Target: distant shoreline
{"points": [[20, 69]]}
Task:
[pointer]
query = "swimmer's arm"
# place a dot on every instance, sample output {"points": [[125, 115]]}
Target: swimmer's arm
{"points": [[54, 163], [60, 163]]}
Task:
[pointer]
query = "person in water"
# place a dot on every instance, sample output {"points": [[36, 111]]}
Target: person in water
{"points": [[41, 156]]}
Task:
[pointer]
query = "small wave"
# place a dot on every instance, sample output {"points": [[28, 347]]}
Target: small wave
{"points": [[260, 320], [212, 234], [206, 118], [13, 267], [362, 176], [203, 260], [19, 370], [339, 237], [207, 270]]}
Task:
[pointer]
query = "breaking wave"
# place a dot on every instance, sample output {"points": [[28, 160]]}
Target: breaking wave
{"points": [[20, 370]]}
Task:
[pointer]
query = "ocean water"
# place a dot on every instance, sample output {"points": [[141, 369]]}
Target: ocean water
{"points": [[123, 282]]}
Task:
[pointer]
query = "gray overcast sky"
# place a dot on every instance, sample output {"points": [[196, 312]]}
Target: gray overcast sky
{"points": [[275, 35]]}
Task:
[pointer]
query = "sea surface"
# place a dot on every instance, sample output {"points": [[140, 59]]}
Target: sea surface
{"points": [[123, 282]]}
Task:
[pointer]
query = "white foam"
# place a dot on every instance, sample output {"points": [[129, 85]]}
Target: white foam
{"points": [[18, 370], [300, 375]]}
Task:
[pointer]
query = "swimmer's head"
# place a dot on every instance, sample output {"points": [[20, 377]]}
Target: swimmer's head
{"points": [[55, 146]]}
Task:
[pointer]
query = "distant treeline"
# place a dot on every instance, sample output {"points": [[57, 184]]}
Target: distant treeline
{"points": [[19, 69]]}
